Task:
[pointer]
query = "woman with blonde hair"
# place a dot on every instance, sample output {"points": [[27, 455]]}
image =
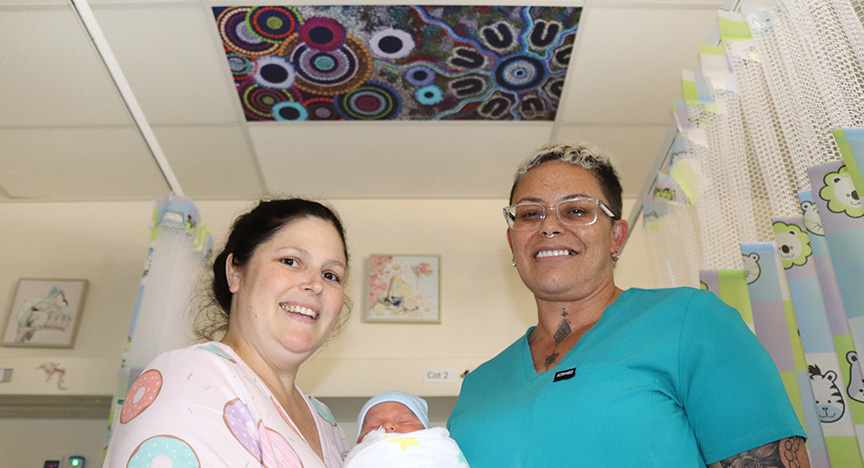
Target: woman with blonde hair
{"points": [[608, 377]]}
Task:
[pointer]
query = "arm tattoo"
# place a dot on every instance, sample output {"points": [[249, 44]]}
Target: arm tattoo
{"points": [[784, 453]]}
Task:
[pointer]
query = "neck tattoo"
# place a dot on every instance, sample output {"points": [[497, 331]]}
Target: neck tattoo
{"points": [[561, 334]]}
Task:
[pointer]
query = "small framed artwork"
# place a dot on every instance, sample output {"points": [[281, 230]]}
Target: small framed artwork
{"points": [[403, 288], [45, 313]]}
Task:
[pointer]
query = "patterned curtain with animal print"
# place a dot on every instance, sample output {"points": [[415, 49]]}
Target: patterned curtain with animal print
{"points": [[758, 201]]}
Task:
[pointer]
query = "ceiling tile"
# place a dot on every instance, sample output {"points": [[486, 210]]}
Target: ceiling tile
{"points": [[628, 61], [623, 79], [54, 79], [211, 162], [655, 3], [140, 2], [29, 4], [78, 164], [447, 66], [173, 60], [396, 159]]}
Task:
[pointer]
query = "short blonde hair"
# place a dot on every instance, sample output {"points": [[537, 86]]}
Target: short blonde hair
{"points": [[585, 155]]}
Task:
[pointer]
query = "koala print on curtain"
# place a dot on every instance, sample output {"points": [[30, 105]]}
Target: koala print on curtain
{"points": [[851, 144], [776, 328], [826, 347], [842, 219], [777, 97], [844, 341]]}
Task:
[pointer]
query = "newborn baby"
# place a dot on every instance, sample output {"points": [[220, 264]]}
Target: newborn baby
{"points": [[393, 432]]}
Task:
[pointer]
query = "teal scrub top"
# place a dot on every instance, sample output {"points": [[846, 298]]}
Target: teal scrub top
{"points": [[665, 378]]}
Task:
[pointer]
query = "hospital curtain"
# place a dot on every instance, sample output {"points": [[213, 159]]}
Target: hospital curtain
{"points": [[179, 253], [758, 201]]}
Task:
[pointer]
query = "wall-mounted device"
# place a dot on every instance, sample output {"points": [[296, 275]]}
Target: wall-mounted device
{"points": [[76, 461]]}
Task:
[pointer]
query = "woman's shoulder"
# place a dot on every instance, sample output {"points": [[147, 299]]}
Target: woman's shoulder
{"points": [[671, 305], [205, 351], [668, 299], [200, 357], [694, 308], [684, 297], [683, 293], [179, 379]]}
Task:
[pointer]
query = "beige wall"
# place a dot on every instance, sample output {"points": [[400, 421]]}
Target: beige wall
{"points": [[484, 306]]}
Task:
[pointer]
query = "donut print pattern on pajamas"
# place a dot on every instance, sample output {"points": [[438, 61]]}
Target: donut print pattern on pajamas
{"points": [[163, 451], [323, 411], [215, 350], [239, 420], [276, 451], [141, 395], [286, 418]]}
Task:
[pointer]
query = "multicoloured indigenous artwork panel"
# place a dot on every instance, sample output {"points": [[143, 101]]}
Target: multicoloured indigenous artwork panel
{"points": [[387, 62]]}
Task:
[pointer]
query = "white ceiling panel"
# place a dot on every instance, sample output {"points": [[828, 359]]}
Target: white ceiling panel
{"points": [[56, 78], [173, 61], [65, 133], [78, 164], [653, 3], [632, 149], [628, 61], [212, 161], [32, 3], [143, 2], [396, 159]]}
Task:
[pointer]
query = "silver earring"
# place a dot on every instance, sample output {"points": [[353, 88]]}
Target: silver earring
{"points": [[615, 256], [513, 262]]}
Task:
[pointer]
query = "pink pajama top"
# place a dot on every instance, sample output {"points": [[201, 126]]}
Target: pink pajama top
{"points": [[202, 406]]}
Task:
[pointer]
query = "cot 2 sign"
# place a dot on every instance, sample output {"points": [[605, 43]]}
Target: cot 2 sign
{"points": [[440, 376]]}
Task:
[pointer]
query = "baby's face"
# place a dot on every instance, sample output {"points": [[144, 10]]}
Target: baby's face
{"points": [[393, 417]]}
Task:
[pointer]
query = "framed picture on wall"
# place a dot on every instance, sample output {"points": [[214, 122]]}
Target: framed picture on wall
{"points": [[403, 288], [45, 313]]}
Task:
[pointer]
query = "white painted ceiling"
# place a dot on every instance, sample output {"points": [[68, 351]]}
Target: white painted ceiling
{"points": [[66, 134]]}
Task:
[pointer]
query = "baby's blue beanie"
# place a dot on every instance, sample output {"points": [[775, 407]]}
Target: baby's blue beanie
{"points": [[417, 405]]}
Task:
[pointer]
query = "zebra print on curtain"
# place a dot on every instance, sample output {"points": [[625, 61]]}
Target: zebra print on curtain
{"points": [[765, 176]]}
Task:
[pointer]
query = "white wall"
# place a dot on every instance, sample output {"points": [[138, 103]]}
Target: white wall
{"points": [[28, 443], [484, 306]]}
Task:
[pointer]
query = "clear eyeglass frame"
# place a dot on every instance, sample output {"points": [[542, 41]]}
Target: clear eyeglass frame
{"points": [[543, 210]]}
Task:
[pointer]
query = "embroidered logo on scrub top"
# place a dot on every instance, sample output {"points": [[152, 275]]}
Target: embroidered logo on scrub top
{"points": [[564, 374]]}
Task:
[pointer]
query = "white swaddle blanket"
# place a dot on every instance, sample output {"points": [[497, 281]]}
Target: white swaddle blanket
{"points": [[429, 448]]}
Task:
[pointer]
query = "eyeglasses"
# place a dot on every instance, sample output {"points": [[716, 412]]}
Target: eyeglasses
{"points": [[577, 211]]}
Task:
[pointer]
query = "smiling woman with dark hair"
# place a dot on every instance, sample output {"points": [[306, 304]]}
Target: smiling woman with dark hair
{"points": [[614, 378], [279, 286]]}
